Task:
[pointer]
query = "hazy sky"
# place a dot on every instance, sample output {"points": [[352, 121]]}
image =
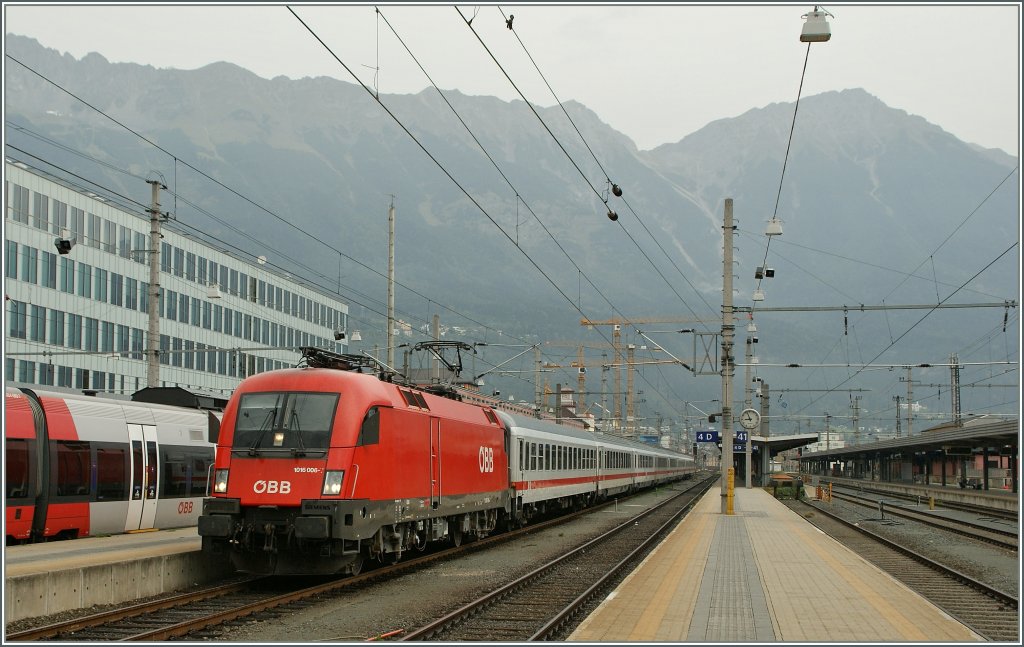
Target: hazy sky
{"points": [[655, 72]]}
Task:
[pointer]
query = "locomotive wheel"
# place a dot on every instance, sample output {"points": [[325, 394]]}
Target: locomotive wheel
{"points": [[456, 537]]}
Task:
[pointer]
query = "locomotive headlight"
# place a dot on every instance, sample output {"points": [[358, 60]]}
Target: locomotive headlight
{"points": [[220, 481], [332, 482]]}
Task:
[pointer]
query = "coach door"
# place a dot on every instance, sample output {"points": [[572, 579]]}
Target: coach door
{"points": [[435, 463], [144, 475]]}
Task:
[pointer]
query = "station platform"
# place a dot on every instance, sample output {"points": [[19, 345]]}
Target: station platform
{"points": [[47, 578], [762, 574]]}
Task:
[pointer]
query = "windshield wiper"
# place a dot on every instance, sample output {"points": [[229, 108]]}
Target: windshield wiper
{"points": [[297, 428], [264, 428]]}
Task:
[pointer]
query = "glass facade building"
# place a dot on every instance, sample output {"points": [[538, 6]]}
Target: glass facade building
{"points": [[79, 320]]}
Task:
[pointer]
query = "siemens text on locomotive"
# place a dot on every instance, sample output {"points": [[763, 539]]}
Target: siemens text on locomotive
{"points": [[79, 465], [321, 468]]}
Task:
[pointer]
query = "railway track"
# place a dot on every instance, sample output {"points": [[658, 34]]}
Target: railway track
{"points": [[1002, 537], [198, 614], [990, 612], [543, 603], [984, 511]]}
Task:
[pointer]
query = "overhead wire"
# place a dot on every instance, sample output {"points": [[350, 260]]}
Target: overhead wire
{"points": [[572, 161], [519, 197]]}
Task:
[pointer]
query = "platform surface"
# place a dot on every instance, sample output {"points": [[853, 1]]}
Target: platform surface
{"points": [[762, 574]]}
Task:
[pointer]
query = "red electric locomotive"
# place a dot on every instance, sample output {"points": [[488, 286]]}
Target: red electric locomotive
{"points": [[319, 469]]}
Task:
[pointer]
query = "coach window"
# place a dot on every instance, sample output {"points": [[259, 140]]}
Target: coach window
{"points": [[72, 468], [369, 432], [112, 473]]}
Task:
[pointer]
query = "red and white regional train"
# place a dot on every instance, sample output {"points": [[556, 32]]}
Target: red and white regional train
{"points": [[322, 468], [80, 465]]}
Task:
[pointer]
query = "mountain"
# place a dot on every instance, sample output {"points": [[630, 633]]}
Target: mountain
{"points": [[870, 195]]}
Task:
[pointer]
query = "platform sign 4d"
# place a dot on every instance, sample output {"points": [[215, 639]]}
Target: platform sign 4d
{"points": [[710, 436]]}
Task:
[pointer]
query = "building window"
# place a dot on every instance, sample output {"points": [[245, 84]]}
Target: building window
{"points": [[107, 337], [26, 372], [189, 355], [29, 264], [56, 328], [64, 376], [92, 334], [109, 243], [207, 312], [196, 311], [49, 270], [116, 289], [19, 203], [60, 217], [200, 357], [140, 250], [100, 291], [12, 260], [67, 275], [77, 225], [19, 314], [85, 280], [143, 296], [165, 346], [170, 298], [190, 266], [131, 294], [201, 266], [123, 338], [41, 211], [124, 241], [183, 303], [47, 374], [95, 230], [176, 355], [37, 324], [137, 343], [74, 331], [179, 262]]}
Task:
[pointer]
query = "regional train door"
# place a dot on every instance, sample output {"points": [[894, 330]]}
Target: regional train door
{"points": [[144, 475], [435, 463]]}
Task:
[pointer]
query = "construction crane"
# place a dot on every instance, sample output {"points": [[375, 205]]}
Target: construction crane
{"points": [[617, 324]]}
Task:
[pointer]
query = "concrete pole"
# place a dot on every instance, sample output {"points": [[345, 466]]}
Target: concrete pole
{"points": [[728, 332], [630, 412], [537, 388], [910, 404], [153, 330], [747, 405], [391, 283]]}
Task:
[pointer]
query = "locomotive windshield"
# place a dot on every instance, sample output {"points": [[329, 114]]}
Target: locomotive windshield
{"points": [[289, 423]]}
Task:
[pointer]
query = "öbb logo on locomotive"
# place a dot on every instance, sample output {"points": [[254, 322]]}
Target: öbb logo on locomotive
{"points": [[272, 487], [486, 459]]}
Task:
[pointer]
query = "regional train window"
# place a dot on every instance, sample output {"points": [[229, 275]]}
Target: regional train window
{"points": [[175, 471], [297, 422], [112, 473], [16, 469], [201, 461], [72, 468]]}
